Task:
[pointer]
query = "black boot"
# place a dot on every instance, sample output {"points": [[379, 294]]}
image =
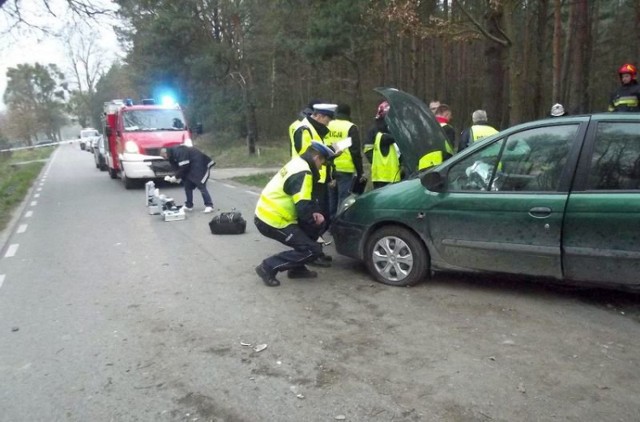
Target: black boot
{"points": [[269, 278], [321, 261], [301, 272]]}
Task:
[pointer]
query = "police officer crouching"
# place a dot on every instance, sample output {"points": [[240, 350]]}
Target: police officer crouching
{"points": [[288, 213]]}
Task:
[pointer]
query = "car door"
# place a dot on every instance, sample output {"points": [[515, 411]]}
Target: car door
{"points": [[503, 206], [601, 241]]}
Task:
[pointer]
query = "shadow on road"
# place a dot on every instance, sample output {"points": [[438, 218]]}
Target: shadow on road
{"points": [[624, 302]]}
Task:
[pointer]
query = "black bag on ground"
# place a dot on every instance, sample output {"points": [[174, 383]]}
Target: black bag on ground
{"points": [[228, 223]]}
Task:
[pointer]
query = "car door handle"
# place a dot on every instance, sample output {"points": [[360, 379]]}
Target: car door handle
{"points": [[540, 212]]}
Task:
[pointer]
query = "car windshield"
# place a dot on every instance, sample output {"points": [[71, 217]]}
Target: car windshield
{"points": [[89, 133], [151, 120]]}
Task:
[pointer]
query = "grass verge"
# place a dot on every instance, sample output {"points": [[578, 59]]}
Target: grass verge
{"points": [[18, 170], [236, 154], [259, 180]]}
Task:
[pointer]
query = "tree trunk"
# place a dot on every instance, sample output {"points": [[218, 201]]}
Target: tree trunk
{"points": [[566, 56], [538, 62], [494, 72], [514, 64], [579, 31], [250, 114], [557, 43]]}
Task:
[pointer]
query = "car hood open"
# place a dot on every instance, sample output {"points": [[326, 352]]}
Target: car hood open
{"points": [[413, 126]]}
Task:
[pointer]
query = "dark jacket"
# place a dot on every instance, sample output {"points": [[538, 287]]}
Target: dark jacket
{"points": [[190, 163], [626, 98]]}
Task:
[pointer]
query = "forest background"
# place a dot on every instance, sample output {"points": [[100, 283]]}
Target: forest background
{"points": [[245, 68]]}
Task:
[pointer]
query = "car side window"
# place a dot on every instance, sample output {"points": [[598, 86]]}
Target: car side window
{"points": [[615, 162], [528, 161], [475, 172]]}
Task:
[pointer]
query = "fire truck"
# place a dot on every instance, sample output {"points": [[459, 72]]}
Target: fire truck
{"points": [[135, 134]]}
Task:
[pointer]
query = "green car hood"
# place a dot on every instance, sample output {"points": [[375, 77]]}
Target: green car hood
{"points": [[413, 126]]}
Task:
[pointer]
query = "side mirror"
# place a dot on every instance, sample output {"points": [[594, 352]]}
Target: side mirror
{"points": [[433, 181], [199, 128]]}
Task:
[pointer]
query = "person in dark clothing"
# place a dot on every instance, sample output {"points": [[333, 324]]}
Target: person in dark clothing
{"points": [[314, 128], [193, 167], [381, 151], [444, 116], [479, 130], [627, 96], [287, 212]]}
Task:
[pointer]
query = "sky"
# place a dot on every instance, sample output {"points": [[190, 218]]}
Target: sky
{"points": [[30, 46]]}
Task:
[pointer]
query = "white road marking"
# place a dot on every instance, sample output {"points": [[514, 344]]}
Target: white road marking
{"points": [[229, 186], [39, 189], [253, 193], [28, 214], [1, 280], [22, 228], [37, 195], [11, 251], [34, 203]]}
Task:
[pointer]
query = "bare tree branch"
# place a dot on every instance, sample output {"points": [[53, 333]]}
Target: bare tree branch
{"points": [[505, 42]]}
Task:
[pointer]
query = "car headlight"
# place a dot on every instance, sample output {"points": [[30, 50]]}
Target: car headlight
{"points": [[347, 203], [188, 142], [131, 147]]}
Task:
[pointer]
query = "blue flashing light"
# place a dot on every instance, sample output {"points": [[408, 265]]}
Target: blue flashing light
{"points": [[168, 100]]}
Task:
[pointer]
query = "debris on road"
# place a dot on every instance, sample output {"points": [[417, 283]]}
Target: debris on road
{"points": [[259, 348], [242, 343]]}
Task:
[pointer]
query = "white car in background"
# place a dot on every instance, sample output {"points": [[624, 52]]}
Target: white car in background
{"points": [[86, 138]]}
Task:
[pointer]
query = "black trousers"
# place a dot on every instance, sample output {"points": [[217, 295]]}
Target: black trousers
{"points": [[302, 239]]}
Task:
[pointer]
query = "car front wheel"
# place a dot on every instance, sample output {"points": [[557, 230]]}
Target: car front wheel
{"points": [[396, 256]]}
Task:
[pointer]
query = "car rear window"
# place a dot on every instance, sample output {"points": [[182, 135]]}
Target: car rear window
{"points": [[615, 162]]}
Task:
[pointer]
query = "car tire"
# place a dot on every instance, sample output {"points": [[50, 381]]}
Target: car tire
{"points": [[396, 256], [128, 183]]}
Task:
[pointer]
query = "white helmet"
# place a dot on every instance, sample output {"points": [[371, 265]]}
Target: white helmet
{"points": [[557, 110]]}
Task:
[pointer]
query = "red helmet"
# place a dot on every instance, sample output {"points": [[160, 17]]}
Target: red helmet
{"points": [[628, 68], [383, 109]]}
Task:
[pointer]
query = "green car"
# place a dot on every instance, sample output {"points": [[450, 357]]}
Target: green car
{"points": [[557, 199]]}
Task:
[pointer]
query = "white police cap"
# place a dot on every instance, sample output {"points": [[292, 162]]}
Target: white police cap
{"points": [[326, 109]]}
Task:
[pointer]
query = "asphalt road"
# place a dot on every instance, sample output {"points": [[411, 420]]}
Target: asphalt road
{"points": [[110, 314]]}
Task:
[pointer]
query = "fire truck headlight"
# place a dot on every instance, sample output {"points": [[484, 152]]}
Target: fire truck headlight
{"points": [[188, 142], [131, 147]]}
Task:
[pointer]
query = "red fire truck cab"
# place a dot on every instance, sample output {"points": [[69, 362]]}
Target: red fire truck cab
{"points": [[136, 133]]}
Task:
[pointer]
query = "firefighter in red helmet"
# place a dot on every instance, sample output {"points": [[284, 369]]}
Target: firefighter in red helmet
{"points": [[627, 96]]}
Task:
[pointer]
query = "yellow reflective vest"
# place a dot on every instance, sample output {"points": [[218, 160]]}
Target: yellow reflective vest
{"points": [[339, 130], [481, 131], [307, 136], [292, 129], [447, 145], [276, 207], [384, 168]]}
